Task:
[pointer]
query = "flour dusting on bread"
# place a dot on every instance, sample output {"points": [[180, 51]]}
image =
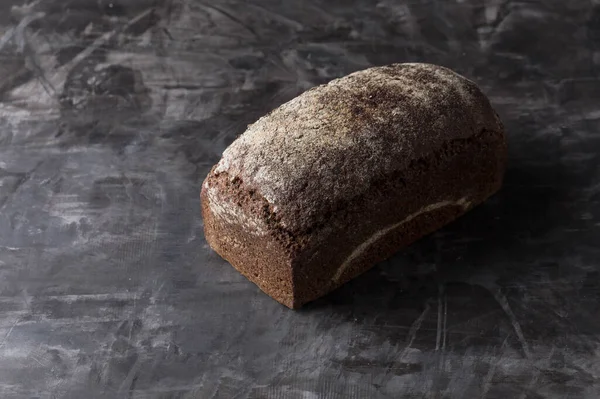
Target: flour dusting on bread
{"points": [[326, 146]]}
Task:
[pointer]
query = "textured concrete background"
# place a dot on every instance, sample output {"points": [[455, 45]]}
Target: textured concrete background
{"points": [[111, 114]]}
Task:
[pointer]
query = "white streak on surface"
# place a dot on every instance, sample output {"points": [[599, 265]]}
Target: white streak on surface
{"points": [[380, 233]]}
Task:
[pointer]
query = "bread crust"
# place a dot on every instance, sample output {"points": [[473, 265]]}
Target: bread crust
{"points": [[328, 160]]}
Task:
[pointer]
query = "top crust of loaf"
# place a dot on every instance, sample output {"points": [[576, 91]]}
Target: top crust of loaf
{"points": [[313, 154]]}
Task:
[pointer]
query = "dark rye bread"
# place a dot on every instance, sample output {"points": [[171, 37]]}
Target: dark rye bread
{"points": [[343, 176]]}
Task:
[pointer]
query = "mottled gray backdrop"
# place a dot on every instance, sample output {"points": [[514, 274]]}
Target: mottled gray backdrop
{"points": [[111, 114]]}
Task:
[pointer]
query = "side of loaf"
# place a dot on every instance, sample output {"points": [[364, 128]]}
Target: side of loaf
{"points": [[346, 174]]}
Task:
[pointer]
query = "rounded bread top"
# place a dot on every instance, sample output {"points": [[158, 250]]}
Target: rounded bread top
{"points": [[311, 155]]}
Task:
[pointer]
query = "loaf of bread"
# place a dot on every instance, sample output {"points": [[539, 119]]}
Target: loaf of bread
{"points": [[346, 174]]}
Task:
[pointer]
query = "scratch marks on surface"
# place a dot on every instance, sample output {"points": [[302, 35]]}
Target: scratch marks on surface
{"points": [[7, 335], [231, 17], [17, 33], [104, 39], [279, 17], [118, 296], [487, 380], [128, 384], [43, 88], [442, 317], [503, 302], [536, 375], [414, 328]]}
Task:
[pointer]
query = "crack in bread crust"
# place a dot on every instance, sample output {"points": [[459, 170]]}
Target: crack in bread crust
{"points": [[463, 203]]}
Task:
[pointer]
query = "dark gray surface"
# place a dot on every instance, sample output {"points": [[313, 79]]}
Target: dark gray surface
{"points": [[112, 113]]}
